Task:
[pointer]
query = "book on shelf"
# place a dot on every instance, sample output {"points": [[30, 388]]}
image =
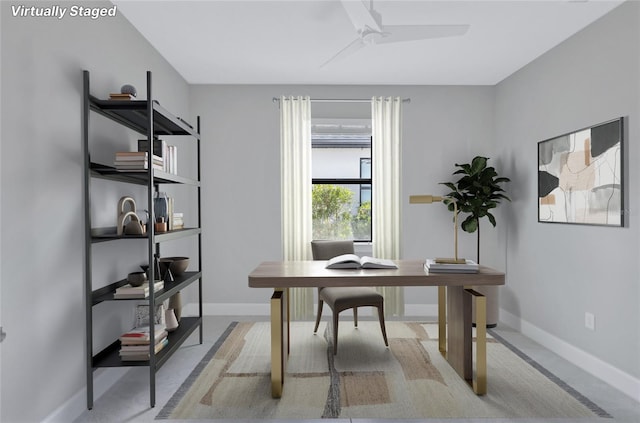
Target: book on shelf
{"points": [[136, 168], [143, 353], [121, 96], [172, 164], [170, 213], [352, 261], [132, 348], [137, 156], [127, 291], [130, 289], [144, 348], [142, 168], [126, 156], [142, 345], [432, 266], [140, 335], [169, 154], [136, 163], [136, 160]]}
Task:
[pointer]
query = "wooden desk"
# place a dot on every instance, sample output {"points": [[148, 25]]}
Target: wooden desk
{"points": [[454, 307]]}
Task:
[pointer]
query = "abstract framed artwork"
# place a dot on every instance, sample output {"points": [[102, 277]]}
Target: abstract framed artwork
{"points": [[580, 176]]}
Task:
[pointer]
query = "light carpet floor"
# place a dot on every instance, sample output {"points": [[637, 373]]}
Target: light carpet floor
{"points": [[410, 379]]}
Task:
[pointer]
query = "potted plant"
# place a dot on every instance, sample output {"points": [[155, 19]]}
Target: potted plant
{"points": [[476, 193]]}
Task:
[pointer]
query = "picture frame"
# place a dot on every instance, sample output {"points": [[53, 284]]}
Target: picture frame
{"points": [[580, 176], [142, 315]]}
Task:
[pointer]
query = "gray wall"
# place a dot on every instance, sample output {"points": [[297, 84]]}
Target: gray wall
{"points": [[556, 273], [42, 203], [241, 193]]}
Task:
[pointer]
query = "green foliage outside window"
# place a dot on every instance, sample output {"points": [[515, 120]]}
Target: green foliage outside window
{"points": [[362, 222], [331, 212], [332, 217]]}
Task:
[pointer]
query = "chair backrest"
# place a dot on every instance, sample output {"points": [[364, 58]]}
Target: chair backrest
{"points": [[324, 250]]}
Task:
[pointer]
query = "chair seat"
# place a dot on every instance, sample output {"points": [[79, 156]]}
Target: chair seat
{"points": [[341, 298]]}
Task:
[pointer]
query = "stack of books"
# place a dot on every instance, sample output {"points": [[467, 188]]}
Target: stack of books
{"points": [[128, 292], [132, 161], [432, 266], [134, 344], [121, 96], [168, 153]]}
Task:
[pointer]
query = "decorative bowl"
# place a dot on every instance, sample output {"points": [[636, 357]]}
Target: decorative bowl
{"points": [[137, 278], [177, 265]]}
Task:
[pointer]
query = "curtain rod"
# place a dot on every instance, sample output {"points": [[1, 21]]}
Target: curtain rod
{"points": [[341, 100]]}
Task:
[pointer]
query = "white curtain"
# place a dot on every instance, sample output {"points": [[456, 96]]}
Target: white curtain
{"points": [[295, 162], [386, 114]]}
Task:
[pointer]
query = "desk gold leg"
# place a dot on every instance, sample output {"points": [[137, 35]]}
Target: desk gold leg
{"points": [[479, 381], [442, 319], [278, 356]]}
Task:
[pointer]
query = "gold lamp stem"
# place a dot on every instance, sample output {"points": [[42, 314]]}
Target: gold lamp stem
{"points": [[428, 199], [455, 230]]}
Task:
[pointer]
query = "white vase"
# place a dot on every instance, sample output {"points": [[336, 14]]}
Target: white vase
{"points": [[171, 322], [175, 303]]}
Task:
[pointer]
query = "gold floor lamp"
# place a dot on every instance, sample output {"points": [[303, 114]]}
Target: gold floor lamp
{"points": [[428, 199]]}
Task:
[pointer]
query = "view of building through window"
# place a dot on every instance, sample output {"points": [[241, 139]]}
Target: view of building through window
{"points": [[341, 173]]}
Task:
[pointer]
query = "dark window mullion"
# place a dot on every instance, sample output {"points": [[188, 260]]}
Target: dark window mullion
{"points": [[340, 181]]}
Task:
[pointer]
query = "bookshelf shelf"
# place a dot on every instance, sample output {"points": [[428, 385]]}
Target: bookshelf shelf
{"points": [[109, 357], [109, 234], [170, 287], [139, 178], [134, 114]]}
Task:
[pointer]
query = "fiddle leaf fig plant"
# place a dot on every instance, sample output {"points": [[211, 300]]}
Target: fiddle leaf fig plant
{"points": [[476, 193]]}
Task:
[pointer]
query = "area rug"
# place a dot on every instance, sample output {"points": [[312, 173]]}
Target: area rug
{"points": [[410, 379]]}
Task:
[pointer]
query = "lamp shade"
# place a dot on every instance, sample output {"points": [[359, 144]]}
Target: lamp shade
{"points": [[424, 199]]}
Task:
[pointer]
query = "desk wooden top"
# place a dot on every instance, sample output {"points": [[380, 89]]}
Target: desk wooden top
{"points": [[287, 274]]}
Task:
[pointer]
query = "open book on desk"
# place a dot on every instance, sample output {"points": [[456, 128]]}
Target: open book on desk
{"points": [[352, 261]]}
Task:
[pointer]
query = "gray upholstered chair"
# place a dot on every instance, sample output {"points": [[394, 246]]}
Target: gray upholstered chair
{"points": [[343, 298]]}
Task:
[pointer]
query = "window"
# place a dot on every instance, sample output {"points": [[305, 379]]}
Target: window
{"points": [[341, 177], [365, 173]]}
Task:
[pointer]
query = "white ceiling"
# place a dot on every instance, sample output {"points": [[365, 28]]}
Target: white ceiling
{"points": [[286, 42]]}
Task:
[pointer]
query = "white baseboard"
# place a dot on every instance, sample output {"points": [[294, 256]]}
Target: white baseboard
{"points": [[615, 377], [103, 380]]}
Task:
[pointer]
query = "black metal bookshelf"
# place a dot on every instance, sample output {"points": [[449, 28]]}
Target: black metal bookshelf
{"points": [[149, 118]]}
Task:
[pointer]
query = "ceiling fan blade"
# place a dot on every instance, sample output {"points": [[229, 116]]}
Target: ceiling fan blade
{"points": [[351, 48], [360, 16], [399, 33]]}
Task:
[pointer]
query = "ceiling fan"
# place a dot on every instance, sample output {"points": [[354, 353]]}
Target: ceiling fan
{"points": [[371, 31]]}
